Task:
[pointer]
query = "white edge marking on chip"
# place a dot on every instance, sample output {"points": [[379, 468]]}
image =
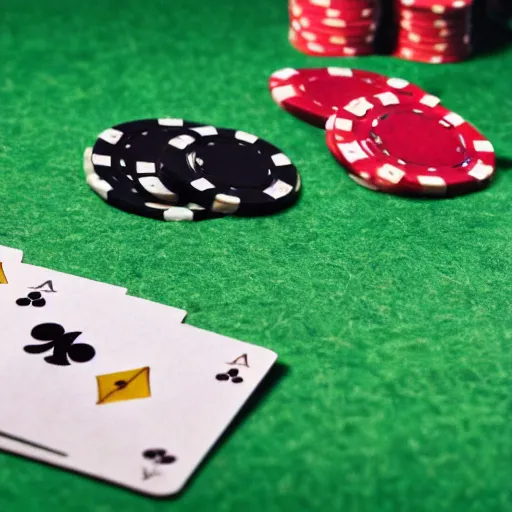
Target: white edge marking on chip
{"points": [[111, 135], [334, 23], [387, 98], [284, 73], [352, 151], [432, 183], [246, 137], [337, 40], [482, 146], [345, 125], [169, 121], [225, 203], [101, 187], [202, 184], [156, 188], [181, 141], [397, 83], [359, 107], [103, 160], [454, 119], [329, 124], [481, 171], [314, 47], [390, 173], [145, 168], [278, 189], [298, 185], [282, 93], [430, 100], [177, 214], [205, 130], [88, 168], [280, 159]]}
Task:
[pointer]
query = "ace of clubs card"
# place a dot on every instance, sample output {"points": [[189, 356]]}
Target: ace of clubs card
{"points": [[118, 389]]}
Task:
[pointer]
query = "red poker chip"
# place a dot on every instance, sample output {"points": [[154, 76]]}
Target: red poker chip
{"points": [[414, 26], [366, 178], [416, 39], [327, 50], [443, 44], [314, 94], [336, 39], [438, 6], [359, 11], [356, 27], [342, 5], [435, 35], [427, 15], [408, 53], [303, 25], [420, 148]]}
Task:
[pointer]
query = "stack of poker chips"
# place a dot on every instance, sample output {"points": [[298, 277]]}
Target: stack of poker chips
{"points": [[389, 135], [334, 28], [435, 32], [175, 170]]}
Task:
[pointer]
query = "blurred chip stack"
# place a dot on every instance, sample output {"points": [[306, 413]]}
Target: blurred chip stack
{"points": [[434, 31], [333, 28]]}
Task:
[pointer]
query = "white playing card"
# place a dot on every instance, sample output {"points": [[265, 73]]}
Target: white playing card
{"points": [[10, 254], [139, 403]]}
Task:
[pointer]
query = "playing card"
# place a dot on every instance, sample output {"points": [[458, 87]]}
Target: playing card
{"points": [[126, 395]]}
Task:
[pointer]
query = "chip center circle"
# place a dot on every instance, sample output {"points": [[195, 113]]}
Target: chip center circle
{"points": [[418, 138], [231, 164]]}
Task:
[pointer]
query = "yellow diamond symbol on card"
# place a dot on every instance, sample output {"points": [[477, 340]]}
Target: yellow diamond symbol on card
{"points": [[3, 278], [121, 386]]}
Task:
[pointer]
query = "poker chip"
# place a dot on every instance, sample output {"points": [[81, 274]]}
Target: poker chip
{"points": [[120, 193], [400, 145], [434, 31], [110, 156], [314, 94], [229, 171], [334, 28], [141, 163]]}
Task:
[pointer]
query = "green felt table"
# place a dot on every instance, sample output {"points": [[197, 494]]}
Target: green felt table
{"points": [[391, 317]]}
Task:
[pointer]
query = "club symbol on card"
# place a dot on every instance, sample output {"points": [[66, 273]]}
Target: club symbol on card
{"points": [[34, 299], [62, 343], [158, 457], [231, 375], [121, 386]]}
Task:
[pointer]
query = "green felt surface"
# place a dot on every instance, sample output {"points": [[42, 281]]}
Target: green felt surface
{"points": [[391, 317]]}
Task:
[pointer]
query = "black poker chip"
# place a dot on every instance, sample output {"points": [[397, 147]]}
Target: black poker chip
{"points": [[142, 161], [127, 199], [229, 171], [113, 175], [109, 154]]}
